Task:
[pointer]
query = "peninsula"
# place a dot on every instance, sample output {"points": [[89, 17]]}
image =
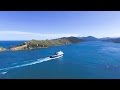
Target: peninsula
{"points": [[33, 44]]}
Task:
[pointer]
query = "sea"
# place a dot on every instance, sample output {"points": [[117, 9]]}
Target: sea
{"points": [[84, 60]]}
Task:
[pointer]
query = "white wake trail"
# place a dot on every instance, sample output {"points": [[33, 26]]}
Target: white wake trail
{"points": [[27, 64]]}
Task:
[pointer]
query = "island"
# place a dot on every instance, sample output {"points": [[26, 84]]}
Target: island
{"points": [[34, 44]]}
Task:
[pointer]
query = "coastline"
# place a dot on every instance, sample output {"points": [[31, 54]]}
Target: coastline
{"points": [[2, 49], [35, 44]]}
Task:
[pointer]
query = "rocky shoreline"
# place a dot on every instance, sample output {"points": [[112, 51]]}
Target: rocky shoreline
{"points": [[2, 49]]}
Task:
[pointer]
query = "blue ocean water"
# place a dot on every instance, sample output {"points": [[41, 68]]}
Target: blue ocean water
{"points": [[85, 60], [8, 44]]}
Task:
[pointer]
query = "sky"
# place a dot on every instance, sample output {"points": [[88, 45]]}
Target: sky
{"points": [[27, 25]]}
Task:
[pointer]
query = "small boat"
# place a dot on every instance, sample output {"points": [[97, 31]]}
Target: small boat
{"points": [[57, 55]]}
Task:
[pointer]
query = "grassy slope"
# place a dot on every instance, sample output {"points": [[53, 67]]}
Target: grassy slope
{"points": [[32, 44]]}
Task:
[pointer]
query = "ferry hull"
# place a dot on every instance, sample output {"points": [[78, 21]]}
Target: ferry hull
{"points": [[56, 57]]}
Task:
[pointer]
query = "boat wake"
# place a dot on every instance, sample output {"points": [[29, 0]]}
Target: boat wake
{"points": [[3, 73], [4, 70]]}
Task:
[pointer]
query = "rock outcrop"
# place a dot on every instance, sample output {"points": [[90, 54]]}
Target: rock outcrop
{"points": [[21, 47], [2, 49]]}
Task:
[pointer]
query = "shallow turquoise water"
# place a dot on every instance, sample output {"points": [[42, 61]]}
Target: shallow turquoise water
{"points": [[86, 60]]}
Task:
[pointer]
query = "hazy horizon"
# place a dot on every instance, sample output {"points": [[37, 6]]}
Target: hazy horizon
{"points": [[40, 25]]}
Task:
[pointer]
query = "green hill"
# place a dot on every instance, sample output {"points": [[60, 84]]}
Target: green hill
{"points": [[32, 44]]}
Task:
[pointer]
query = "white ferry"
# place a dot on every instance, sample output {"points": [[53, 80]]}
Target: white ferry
{"points": [[57, 55]]}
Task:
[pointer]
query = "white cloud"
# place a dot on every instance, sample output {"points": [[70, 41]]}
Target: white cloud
{"points": [[19, 35]]}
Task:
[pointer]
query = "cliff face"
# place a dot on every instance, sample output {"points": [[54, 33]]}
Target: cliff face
{"points": [[33, 44], [22, 47]]}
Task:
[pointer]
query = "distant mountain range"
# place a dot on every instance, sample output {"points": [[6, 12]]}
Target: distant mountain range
{"points": [[107, 39], [88, 38], [115, 40]]}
